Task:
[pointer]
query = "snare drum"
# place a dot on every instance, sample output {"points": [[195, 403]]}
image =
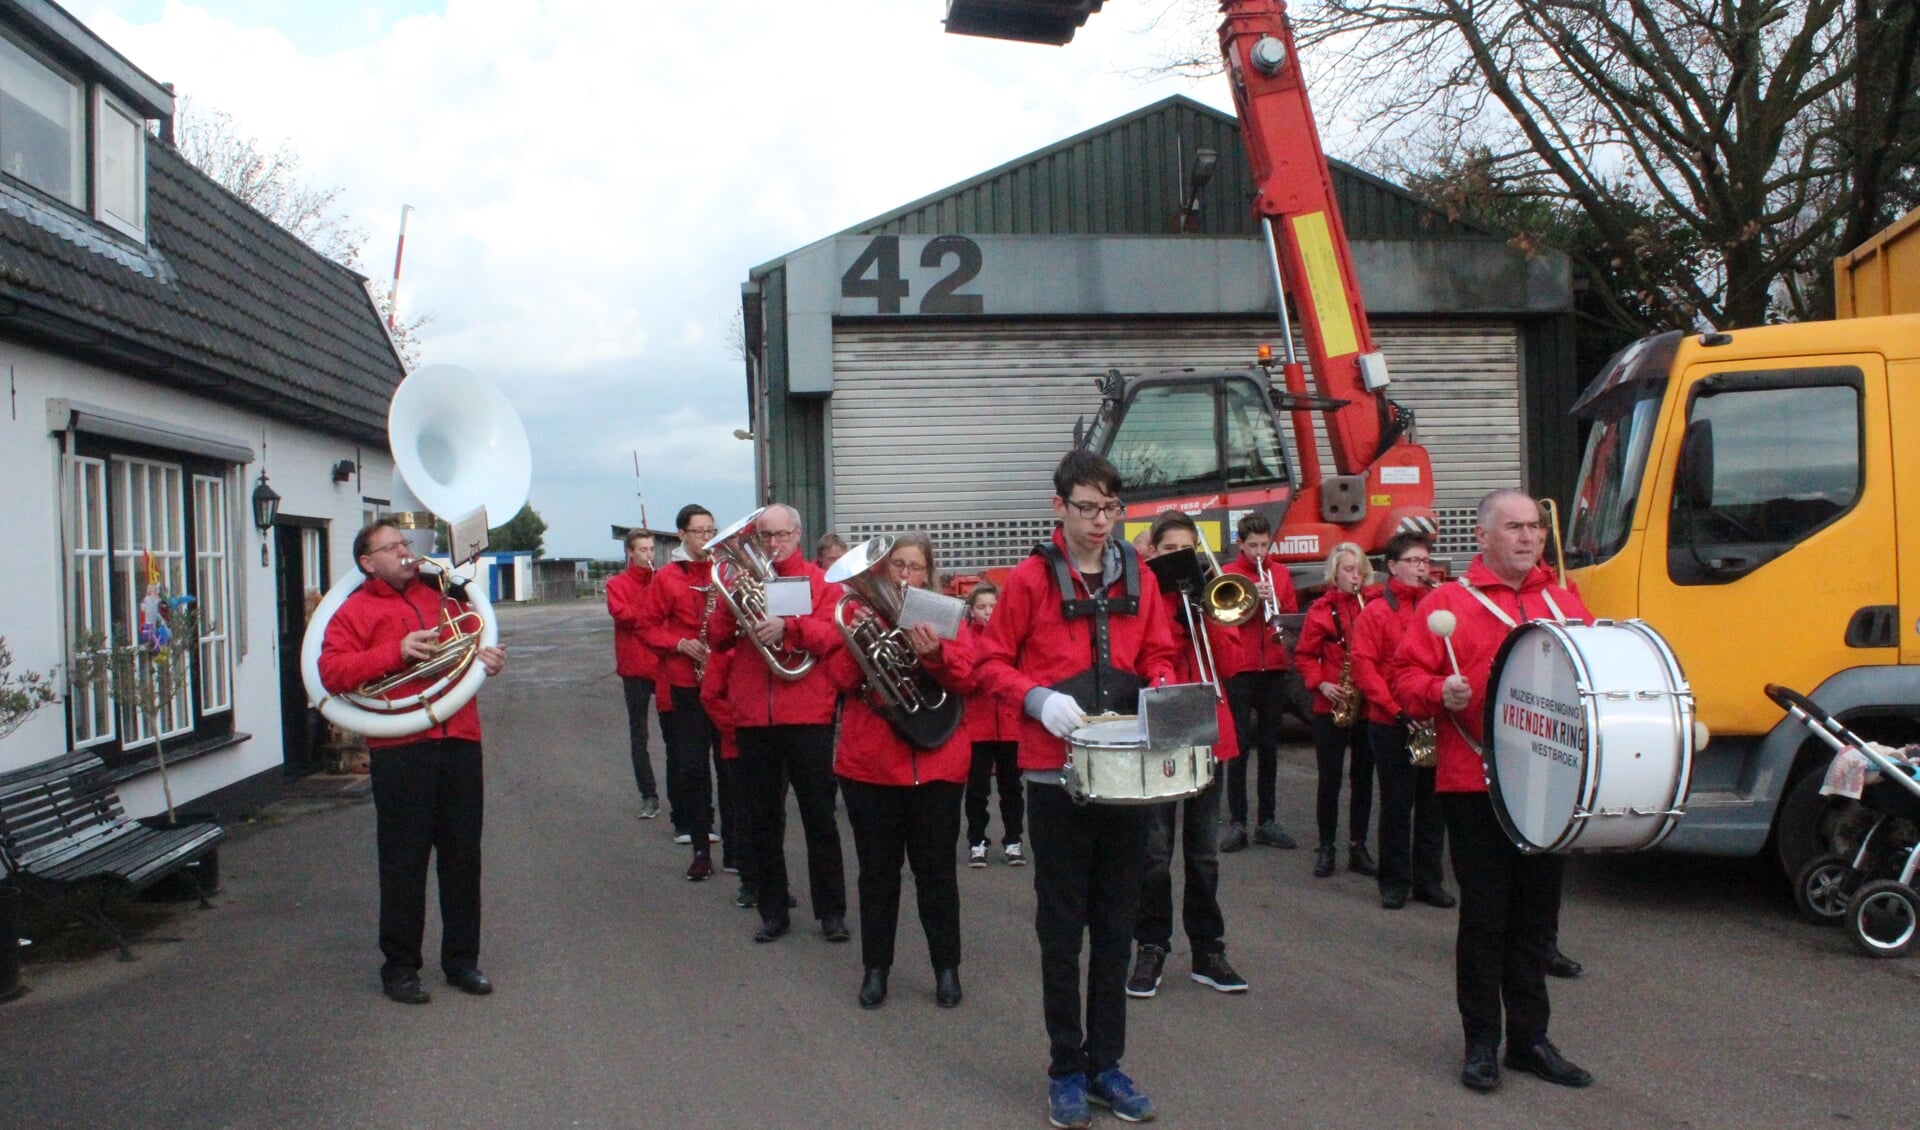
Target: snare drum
{"points": [[1108, 762], [1590, 737]]}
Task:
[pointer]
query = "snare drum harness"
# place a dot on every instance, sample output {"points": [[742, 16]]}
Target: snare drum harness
{"points": [[1102, 687]]}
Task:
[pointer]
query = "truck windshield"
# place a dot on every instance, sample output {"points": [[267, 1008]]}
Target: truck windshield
{"points": [[1610, 477]]}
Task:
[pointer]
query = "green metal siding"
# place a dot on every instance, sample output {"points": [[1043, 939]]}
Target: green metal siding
{"points": [[1551, 383]]}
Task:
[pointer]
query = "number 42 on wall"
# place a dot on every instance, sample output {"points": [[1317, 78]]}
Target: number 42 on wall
{"points": [[875, 274]]}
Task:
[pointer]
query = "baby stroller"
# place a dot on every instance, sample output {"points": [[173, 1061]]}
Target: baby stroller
{"points": [[1870, 889]]}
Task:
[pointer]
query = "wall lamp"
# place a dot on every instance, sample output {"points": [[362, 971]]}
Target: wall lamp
{"points": [[742, 433], [266, 507], [343, 470]]}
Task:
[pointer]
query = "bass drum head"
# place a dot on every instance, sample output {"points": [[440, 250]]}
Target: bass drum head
{"points": [[1537, 725]]}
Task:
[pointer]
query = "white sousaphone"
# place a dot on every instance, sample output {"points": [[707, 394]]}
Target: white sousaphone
{"points": [[458, 447]]}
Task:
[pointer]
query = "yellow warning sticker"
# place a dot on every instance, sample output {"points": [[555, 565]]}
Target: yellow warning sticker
{"points": [[1326, 289]]}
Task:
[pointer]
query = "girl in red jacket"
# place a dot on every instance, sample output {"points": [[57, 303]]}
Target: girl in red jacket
{"points": [[903, 802], [995, 730], [1322, 652]]}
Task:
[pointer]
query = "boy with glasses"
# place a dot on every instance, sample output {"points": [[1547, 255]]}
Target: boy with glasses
{"points": [[1077, 632], [678, 605]]}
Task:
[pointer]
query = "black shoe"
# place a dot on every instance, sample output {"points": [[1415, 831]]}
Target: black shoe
{"points": [[873, 989], [405, 988], [834, 928], [1393, 898], [471, 982], [1147, 966], [747, 898], [1435, 896], [1562, 966], [1270, 834], [1545, 1060], [1481, 1071], [1359, 861], [1323, 861], [946, 988], [1235, 839], [701, 869], [772, 929]]}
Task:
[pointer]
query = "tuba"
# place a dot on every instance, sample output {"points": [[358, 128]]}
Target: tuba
{"points": [[741, 569], [460, 448], [898, 685]]}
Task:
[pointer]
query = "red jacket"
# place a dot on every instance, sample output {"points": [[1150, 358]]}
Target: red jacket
{"points": [[627, 604], [756, 696], [1226, 650], [1323, 645], [1421, 665], [363, 644], [713, 699], [671, 614], [988, 718], [1031, 643], [1260, 646], [871, 751], [1376, 634]]}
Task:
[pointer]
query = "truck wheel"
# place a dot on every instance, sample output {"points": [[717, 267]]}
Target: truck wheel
{"points": [[1809, 824], [1824, 888], [1883, 918]]}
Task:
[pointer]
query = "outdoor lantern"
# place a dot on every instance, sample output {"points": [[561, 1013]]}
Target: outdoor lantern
{"points": [[266, 504]]}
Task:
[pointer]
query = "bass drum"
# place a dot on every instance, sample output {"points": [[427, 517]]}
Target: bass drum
{"points": [[1590, 737]]}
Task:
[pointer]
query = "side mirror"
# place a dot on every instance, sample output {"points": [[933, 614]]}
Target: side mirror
{"points": [[1693, 486]]}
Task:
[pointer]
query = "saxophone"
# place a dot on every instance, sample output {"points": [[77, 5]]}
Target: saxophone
{"points": [[1422, 744], [1347, 712]]}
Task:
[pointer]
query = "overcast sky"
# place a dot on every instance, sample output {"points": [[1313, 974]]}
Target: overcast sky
{"points": [[593, 180]]}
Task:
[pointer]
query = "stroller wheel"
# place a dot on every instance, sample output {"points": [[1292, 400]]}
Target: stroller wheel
{"points": [[1883, 918], [1824, 888]]}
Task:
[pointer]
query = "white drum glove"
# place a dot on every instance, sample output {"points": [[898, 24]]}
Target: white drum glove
{"points": [[1061, 715]]}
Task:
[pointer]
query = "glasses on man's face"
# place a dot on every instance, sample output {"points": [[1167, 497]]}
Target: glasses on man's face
{"points": [[701, 531], [780, 535], [387, 548], [1092, 510], [1423, 562]]}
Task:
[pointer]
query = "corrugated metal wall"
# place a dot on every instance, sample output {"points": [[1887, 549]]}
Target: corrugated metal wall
{"points": [[956, 427]]}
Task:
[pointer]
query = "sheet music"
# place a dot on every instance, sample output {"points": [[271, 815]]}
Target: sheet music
{"points": [[941, 613], [790, 596]]}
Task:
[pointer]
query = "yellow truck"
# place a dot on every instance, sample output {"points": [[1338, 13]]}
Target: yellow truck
{"points": [[1755, 495]]}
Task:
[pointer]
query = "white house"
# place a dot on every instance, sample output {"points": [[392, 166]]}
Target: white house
{"points": [[164, 350]]}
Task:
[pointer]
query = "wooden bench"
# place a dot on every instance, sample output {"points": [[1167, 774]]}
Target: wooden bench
{"points": [[63, 835]]}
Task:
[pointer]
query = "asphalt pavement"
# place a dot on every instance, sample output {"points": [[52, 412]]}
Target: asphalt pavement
{"points": [[627, 996]]}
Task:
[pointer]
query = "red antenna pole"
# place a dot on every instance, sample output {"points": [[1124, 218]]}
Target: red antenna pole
{"points": [[399, 249], [641, 491]]}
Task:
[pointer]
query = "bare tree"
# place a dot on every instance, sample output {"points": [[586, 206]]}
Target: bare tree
{"points": [[1719, 151]]}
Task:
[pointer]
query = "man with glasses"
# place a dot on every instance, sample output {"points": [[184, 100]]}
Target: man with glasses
{"points": [[428, 788], [1412, 831], [784, 728], [1077, 633], [678, 604]]}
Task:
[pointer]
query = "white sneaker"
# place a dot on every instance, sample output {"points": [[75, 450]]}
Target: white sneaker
{"points": [[713, 837], [1016, 856], [977, 855], [683, 838]]}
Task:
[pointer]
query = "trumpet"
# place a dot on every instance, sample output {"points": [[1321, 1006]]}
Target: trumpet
{"points": [[1269, 604], [741, 569], [898, 685]]}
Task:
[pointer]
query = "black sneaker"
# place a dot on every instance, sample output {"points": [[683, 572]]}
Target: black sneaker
{"points": [[1147, 965], [1270, 834], [1360, 861], [1323, 861], [1212, 970], [1235, 839], [748, 897]]}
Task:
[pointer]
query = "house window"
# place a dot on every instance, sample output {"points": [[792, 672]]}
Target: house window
{"points": [[42, 139], [119, 165], [149, 524]]}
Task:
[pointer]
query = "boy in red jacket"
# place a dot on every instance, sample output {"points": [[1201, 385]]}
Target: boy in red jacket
{"points": [[635, 662], [1078, 630], [1509, 902], [1264, 689]]}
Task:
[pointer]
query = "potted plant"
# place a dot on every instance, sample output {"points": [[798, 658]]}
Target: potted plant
{"points": [[20, 696]]}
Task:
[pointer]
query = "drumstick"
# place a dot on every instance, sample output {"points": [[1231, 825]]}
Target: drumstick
{"points": [[1442, 623]]}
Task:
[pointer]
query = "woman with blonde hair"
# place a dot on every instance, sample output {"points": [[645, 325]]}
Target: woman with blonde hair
{"points": [[1322, 658]]}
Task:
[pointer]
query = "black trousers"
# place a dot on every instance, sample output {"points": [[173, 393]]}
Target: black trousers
{"points": [[639, 701], [1412, 832], [1509, 904], [771, 757], [429, 800], [991, 761], [1259, 700], [1338, 749], [1087, 864], [1199, 817], [692, 745], [917, 825]]}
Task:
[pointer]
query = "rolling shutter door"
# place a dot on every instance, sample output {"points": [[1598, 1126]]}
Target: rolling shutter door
{"points": [[955, 427]]}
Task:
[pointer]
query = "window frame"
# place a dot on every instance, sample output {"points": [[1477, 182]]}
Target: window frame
{"points": [[79, 135], [104, 103]]}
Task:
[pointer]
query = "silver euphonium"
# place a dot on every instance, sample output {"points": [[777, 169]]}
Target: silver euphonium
{"points": [[898, 685], [741, 569]]}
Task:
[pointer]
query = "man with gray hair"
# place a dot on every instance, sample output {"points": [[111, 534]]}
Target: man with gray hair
{"points": [[784, 728]]}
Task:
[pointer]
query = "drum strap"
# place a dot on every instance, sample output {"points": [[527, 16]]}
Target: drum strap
{"points": [[1559, 617], [1102, 687]]}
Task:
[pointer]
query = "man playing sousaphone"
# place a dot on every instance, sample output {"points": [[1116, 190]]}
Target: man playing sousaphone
{"points": [[1077, 632], [428, 787], [1509, 901]]}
